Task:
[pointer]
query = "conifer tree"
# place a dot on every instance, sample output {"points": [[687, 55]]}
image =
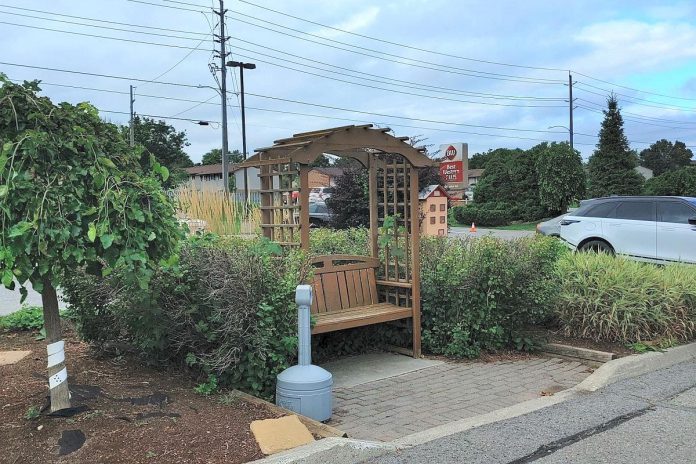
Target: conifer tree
{"points": [[611, 168]]}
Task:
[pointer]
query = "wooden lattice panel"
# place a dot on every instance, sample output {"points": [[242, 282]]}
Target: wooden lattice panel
{"points": [[280, 209]]}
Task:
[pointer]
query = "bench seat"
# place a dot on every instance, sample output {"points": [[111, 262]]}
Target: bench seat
{"points": [[359, 316]]}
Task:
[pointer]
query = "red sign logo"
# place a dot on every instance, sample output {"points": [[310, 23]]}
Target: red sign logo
{"points": [[452, 172], [450, 153]]}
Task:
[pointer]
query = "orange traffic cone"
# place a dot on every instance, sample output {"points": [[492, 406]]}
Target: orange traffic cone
{"points": [[473, 227]]}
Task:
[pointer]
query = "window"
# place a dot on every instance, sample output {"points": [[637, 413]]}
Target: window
{"points": [[636, 210], [602, 210], [443, 207], [432, 219], [432, 208], [443, 219], [675, 212]]}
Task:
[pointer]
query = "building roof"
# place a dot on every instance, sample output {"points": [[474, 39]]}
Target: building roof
{"points": [[331, 172], [209, 169], [475, 172], [427, 191]]}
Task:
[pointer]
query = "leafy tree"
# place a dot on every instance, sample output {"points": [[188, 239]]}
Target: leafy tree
{"points": [[214, 156], [167, 146], [350, 199], [321, 162], [679, 182], [561, 176], [663, 156], [74, 196], [611, 168]]}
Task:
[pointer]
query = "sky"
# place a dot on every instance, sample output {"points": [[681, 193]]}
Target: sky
{"points": [[490, 74]]}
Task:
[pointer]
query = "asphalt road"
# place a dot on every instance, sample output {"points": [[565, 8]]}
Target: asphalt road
{"points": [[9, 300], [648, 419], [498, 233]]}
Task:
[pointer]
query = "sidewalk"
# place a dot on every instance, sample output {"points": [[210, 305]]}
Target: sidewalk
{"points": [[401, 405]]}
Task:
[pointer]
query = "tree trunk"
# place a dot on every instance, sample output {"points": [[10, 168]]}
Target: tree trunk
{"points": [[60, 394]]}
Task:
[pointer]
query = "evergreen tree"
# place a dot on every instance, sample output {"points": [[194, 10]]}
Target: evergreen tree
{"points": [[611, 168]]}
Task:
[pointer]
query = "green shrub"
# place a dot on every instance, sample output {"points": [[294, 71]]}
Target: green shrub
{"points": [[481, 216], [615, 299], [478, 294], [27, 318], [226, 309], [354, 241]]}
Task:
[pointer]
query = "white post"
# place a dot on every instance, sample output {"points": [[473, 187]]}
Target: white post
{"points": [[303, 298]]}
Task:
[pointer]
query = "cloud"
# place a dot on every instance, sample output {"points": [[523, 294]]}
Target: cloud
{"points": [[626, 46], [354, 23]]}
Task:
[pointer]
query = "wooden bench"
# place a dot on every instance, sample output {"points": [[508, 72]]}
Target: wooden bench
{"points": [[345, 294]]}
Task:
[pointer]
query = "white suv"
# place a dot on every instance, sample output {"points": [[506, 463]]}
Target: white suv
{"points": [[656, 229]]}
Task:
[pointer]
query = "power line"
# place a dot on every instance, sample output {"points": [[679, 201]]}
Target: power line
{"points": [[103, 20], [387, 80], [636, 115], [630, 97], [401, 44], [108, 76], [632, 88], [398, 91], [159, 117], [637, 121], [163, 6], [102, 36], [399, 117], [415, 63]]}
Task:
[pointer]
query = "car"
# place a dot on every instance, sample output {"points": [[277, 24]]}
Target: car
{"points": [[320, 194], [552, 227], [645, 228], [319, 214]]}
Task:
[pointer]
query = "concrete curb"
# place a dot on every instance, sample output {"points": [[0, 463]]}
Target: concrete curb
{"points": [[330, 450], [345, 450]]}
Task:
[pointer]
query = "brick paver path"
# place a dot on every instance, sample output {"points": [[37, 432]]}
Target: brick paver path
{"points": [[398, 406]]}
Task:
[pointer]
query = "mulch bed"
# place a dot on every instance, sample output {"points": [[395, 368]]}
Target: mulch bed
{"points": [[132, 413]]}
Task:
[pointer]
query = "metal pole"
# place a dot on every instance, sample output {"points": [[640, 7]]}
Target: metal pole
{"points": [[244, 147], [223, 97], [132, 127], [570, 107]]}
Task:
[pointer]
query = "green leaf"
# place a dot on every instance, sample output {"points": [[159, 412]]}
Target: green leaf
{"points": [[3, 191], [151, 237], [19, 229], [107, 162], [106, 240], [164, 172], [7, 278], [92, 232], [89, 211]]}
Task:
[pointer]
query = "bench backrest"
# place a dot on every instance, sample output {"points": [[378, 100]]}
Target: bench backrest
{"points": [[342, 282]]}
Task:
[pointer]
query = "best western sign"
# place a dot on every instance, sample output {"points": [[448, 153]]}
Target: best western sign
{"points": [[453, 168]]}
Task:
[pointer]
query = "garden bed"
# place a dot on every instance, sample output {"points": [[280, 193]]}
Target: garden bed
{"points": [[134, 413]]}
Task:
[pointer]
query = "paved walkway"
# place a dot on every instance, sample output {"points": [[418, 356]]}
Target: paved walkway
{"points": [[398, 406]]}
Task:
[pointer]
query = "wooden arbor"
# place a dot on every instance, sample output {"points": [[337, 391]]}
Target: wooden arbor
{"points": [[351, 291]]}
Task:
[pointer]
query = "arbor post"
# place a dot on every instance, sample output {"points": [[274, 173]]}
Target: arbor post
{"points": [[57, 372]]}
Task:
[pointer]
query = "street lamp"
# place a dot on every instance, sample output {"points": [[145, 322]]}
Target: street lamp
{"points": [[242, 66], [570, 133]]}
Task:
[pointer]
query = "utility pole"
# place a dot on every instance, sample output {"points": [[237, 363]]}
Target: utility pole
{"points": [[132, 116], [570, 108], [223, 96]]}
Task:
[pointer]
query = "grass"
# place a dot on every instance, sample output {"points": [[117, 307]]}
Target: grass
{"points": [[219, 212]]}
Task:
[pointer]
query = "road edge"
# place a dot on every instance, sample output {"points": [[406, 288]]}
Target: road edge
{"points": [[348, 451]]}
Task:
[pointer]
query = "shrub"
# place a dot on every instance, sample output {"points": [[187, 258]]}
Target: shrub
{"points": [[354, 241], [615, 299], [481, 216], [226, 309], [478, 294], [27, 318]]}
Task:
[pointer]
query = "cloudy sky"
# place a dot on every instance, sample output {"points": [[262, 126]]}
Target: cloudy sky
{"points": [[492, 74]]}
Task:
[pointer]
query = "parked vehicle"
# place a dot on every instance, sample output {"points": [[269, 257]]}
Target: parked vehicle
{"points": [[552, 227], [320, 194], [655, 229], [319, 214]]}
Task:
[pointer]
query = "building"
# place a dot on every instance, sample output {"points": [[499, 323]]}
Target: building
{"points": [[433, 207], [324, 177], [473, 176], [210, 177], [647, 173]]}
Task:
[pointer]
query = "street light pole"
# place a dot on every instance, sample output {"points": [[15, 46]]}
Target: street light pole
{"points": [[242, 66], [570, 99]]}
